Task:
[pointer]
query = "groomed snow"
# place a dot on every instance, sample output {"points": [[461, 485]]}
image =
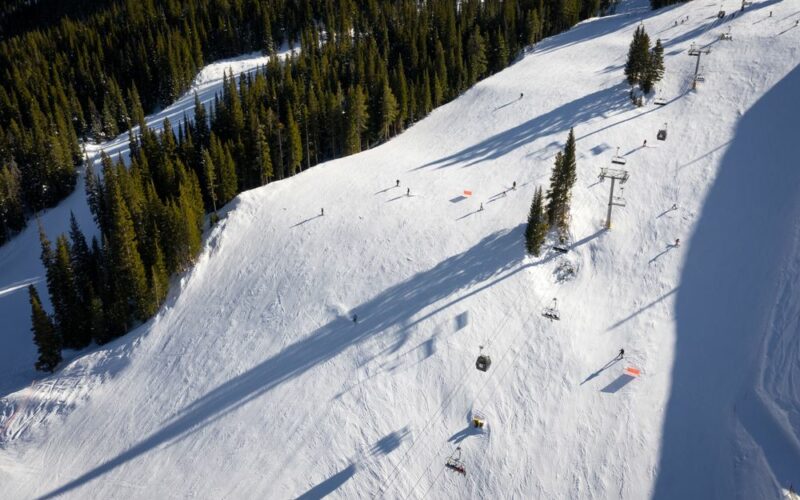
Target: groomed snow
{"points": [[254, 382]]}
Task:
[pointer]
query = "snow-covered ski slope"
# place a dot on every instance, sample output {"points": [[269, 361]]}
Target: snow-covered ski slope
{"points": [[20, 264], [254, 382]]}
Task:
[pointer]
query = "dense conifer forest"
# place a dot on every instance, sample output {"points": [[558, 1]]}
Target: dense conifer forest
{"points": [[365, 71]]}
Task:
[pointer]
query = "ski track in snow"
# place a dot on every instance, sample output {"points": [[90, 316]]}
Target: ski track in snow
{"points": [[253, 380]]}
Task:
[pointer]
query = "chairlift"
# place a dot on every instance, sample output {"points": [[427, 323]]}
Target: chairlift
{"points": [[721, 14], [659, 100], [551, 312], [455, 463], [483, 362], [620, 200], [619, 160], [726, 35], [662, 133], [478, 419]]}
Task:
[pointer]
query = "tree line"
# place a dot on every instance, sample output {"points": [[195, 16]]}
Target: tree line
{"points": [[366, 70]]}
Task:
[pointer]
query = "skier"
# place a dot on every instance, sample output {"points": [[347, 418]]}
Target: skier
{"points": [[321, 211], [408, 192], [674, 206], [621, 354], [481, 209], [355, 318], [520, 95], [514, 185], [677, 242], [397, 183], [644, 145]]}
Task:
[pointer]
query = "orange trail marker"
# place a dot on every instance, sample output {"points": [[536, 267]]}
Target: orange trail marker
{"points": [[633, 371], [467, 192]]}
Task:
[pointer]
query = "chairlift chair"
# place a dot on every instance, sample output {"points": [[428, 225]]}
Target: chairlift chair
{"points": [[551, 312], [483, 362], [619, 160], [620, 200], [454, 462], [662, 133], [659, 100]]}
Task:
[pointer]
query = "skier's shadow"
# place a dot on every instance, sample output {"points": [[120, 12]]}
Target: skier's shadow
{"points": [[307, 220], [601, 370], [669, 247]]}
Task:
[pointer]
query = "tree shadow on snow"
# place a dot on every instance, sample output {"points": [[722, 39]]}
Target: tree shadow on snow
{"points": [[394, 313], [727, 292], [601, 103]]}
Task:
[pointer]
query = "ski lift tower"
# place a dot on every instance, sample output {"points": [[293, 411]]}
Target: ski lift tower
{"points": [[695, 52], [615, 175]]}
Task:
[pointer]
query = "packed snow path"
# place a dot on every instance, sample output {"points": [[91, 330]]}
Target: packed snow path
{"points": [[254, 381]]}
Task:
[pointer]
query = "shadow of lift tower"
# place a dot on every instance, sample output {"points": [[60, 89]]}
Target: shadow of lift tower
{"points": [[614, 174]]}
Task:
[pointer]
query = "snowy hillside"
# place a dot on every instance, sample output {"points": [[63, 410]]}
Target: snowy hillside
{"points": [[254, 381]]}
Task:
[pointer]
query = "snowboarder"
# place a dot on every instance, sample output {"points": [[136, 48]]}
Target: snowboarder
{"points": [[408, 192], [355, 318], [397, 183], [514, 185], [674, 206], [481, 209], [520, 95], [321, 212], [644, 144], [621, 354], [677, 242]]}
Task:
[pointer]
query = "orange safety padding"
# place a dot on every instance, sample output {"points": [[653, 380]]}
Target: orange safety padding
{"points": [[633, 371], [467, 192]]}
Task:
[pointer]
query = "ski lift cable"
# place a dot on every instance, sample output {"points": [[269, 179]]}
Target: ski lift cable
{"points": [[395, 471], [463, 378], [467, 374], [480, 391]]}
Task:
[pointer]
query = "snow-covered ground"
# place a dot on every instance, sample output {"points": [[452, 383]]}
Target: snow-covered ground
{"points": [[254, 382]]}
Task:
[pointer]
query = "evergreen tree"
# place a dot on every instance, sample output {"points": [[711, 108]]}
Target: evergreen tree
{"points": [[125, 264], [388, 113], [638, 57], [655, 68], [44, 334], [294, 155], [263, 157], [536, 231], [357, 119], [211, 179], [71, 318], [476, 56], [559, 196]]}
